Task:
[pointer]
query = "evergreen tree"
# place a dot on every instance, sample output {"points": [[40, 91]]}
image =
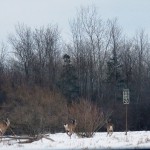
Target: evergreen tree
{"points": [[68, 81], [115, 79]]}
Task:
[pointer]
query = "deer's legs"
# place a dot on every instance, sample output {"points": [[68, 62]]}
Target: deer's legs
{"points": [[1, 135], [69, 133]]}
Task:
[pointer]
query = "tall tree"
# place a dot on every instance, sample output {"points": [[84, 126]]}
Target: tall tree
{"points": [[114, 64], [47, 52], [89, 51], [22, 44], [68, 80], [141, 46]]}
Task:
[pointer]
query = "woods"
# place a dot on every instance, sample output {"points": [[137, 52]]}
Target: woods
{"points": [[45, 81]]}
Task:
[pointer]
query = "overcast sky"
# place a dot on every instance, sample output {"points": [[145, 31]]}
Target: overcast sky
{"points": [[132, 14]]}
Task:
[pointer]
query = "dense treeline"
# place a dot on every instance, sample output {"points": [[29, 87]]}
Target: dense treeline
{"points": [[43, 75]]}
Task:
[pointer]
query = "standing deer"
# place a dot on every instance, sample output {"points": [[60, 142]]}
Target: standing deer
{"points": [[70, 127], [3, 127], [109, 127]]}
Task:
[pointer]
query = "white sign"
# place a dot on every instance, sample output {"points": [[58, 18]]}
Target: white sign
{"points": [[126, 97]]}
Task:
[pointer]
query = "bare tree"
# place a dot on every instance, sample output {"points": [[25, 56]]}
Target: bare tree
{"points": [[22, 44], [37, 53], [52, 51], [89, 50], [3, 59], [40, 61], [141, 46]]}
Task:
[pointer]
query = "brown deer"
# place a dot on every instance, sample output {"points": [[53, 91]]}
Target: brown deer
{"points": [[3, 127], [70, 127], [109, 127]]}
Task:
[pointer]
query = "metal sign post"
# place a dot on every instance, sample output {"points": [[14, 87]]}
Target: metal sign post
{"points": [[126, 101]]}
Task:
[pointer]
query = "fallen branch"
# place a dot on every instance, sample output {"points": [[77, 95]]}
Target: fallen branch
{"points": [[29, 139]]}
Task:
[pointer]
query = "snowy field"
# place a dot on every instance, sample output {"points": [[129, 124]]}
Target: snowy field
{"points": [[118, 140]]}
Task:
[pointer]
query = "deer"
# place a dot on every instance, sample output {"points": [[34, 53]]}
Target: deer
{"points": [[109, 127], [4, 126], [70, 127]]}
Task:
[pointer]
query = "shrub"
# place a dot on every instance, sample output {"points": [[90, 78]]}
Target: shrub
{"points": [[34, 110], [89, 117]]}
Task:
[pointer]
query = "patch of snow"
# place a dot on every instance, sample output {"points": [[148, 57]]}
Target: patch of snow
{"points": [[118, 140]]}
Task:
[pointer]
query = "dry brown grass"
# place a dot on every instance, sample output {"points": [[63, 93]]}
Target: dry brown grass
{"points": [[34, 110]]}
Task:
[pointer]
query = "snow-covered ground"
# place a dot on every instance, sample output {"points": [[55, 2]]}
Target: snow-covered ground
{"points": [[118, 140]]}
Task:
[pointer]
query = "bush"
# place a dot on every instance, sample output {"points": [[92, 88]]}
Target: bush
{"points": [[34, 110], [89, 117]]}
